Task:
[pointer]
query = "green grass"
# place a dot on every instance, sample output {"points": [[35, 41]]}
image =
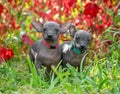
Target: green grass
{"points": [[102, 76]]}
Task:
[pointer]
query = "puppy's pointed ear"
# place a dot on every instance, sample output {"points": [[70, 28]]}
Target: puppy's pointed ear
{"points": [[89, 30], [64, 27], [37, 25], [72, 30]]}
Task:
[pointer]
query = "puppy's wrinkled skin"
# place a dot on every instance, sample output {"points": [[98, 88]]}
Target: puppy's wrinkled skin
{"points": [[73, 51], [46, 52]]}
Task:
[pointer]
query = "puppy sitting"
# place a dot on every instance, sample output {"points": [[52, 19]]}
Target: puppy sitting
{"points": [[73, 51], [46, 52]]}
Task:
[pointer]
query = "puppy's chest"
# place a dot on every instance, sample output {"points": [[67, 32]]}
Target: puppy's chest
{"points": [[71, 58], [49, 56]]}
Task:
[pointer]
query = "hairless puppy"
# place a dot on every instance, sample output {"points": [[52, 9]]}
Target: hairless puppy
{"points": [[73, 51], [46, 52]]}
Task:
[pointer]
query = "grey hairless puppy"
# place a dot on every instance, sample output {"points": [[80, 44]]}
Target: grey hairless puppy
{"points": [[73, 51], [46, 52]]}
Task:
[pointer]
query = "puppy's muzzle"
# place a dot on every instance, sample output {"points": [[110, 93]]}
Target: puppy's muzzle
{"points": [[83, 46], [50, 36]]}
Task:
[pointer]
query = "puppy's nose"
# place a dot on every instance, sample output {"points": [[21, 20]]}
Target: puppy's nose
{"points": [[49, 35], [82, 46]]}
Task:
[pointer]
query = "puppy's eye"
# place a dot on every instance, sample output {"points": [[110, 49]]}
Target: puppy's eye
{"points": [[44, 29], [89, 39], [76, 37], [56, 29]]}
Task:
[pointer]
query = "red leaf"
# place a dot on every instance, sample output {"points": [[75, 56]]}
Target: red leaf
{"points": [[1, 59], [1, 9], [108, 42], [9, 54], [13, 24], [91, 9], [9, 1], [6, 54], [88, 20], [1, 26], [68, 3], [51, 3], [105, 1], [42, 14], [108, 3], [26, 39], [99, 28], [2, 29]]}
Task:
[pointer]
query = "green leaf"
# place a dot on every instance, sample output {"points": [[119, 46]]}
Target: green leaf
{"points": [[117, 19]]}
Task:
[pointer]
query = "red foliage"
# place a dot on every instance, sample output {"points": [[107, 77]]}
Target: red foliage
{"points": [[6, 54], [90, 14], [13, 24], [68, 4], [91, 9], [108, 42], [2, 29], [55, 7], [9, 1], [88, 20], [26, 39], [108, 3], [1, 9], [100, 28]]}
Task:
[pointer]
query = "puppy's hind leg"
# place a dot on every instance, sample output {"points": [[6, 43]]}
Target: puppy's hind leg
{"points": [[64, 66], [38, 66]]}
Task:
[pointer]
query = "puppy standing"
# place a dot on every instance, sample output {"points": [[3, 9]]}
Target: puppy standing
{"points": [[73, 51], [46, 51]]}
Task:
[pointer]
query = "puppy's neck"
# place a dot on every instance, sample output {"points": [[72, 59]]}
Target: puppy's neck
{"points": [[76, 50], [50, 46]]}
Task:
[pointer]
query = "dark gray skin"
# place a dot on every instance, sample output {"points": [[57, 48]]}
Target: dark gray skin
{"points": [[81, 40], [39, 53]]}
